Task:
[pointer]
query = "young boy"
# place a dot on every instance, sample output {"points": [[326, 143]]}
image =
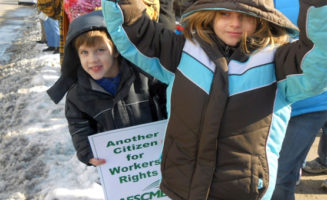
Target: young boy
{"points": [[105, 91]]}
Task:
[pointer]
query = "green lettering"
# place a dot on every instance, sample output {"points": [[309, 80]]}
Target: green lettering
{"points": [[156, 194], [122, 179], [114, 170], [146, 194], [110, 143]]}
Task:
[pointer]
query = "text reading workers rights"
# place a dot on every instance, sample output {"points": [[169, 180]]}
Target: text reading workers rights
{"points": [[138, 167]]}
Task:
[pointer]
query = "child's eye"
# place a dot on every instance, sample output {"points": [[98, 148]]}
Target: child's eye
{"points": [[83, 52], [249, 17], [101, 50], [222, 13]]}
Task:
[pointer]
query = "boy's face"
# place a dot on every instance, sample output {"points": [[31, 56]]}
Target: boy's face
{"points": [[99, 61], [230, 26]]}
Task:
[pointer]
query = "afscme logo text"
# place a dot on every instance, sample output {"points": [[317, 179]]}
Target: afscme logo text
{"points": [[146, 196]]}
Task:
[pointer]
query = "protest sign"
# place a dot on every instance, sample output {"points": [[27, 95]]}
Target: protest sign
{"points": [[132, 168]]}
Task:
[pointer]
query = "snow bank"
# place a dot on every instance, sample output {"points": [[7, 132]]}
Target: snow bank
{"points": [[37, 159]]}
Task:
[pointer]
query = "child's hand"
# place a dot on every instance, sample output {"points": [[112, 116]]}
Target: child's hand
{"points": [[133, 10], [97, 162], [152, 9]]}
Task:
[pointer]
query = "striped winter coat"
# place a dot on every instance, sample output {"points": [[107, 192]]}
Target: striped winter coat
{"points": [[227, 113]]}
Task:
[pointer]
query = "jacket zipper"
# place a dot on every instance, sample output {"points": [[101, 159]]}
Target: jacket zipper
{"points": [[227, 52]]}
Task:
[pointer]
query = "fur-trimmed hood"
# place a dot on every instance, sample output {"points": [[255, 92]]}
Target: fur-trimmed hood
{"points": [[263, 9]]}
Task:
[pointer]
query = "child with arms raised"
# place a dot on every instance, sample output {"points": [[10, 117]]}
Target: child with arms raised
{"points": [[231, 77]]}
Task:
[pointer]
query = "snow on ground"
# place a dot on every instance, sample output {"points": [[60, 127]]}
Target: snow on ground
{"points": [[37, 159]]}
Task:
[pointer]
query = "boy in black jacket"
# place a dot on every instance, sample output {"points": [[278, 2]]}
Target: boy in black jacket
{"points": [[104, 91]]}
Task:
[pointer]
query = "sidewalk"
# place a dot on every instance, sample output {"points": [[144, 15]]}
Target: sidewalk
{"points": [[6, 6]]}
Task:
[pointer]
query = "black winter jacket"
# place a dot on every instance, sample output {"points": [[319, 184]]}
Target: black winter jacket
{"points": [[90, 109]]}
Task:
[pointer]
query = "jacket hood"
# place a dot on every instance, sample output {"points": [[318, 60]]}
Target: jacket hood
{"points": [[264, 9], [91, 21]]}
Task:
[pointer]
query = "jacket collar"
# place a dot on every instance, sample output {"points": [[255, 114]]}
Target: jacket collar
{"points": [[220, 49]]}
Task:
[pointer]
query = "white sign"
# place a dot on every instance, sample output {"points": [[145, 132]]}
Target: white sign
{"points": [[133, 157]]}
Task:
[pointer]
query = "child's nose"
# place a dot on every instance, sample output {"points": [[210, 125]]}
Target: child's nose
{"points": [[236, 20], [93, 57]]}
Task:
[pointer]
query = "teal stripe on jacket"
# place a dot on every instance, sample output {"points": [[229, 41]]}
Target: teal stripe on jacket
{"points": [[125, 46]]}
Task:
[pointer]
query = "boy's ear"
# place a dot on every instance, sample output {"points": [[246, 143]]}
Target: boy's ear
{"points": [[115, 52], [116, 55]]}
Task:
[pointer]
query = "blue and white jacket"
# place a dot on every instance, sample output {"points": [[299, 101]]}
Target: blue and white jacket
{"points": [[227, 114]]}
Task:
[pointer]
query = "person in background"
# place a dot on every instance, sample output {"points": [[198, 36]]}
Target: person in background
{"points": [[42, 18], [70, 10], [104, 91], [232, 76], [319, 164], [307, 118], [52, 9], [74, 8], [51, 28]]}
